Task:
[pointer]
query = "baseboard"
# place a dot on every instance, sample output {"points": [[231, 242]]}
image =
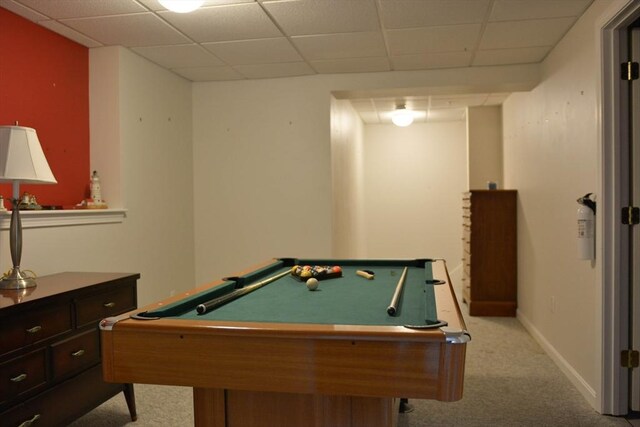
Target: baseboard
{"points": [[583, 387]]}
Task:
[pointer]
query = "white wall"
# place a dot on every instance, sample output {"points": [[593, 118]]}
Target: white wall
{"points": [[550, 157], [262, 161], [414, 180], [396, 191], [347, 168], [156, 237], [484, 146], [262, 158]]}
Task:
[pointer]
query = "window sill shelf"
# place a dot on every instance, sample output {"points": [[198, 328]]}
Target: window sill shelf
{"points": [[62, 218]]}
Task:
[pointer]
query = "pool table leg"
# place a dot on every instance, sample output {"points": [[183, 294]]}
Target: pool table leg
{"points": [[209, 407], [235, 408]]}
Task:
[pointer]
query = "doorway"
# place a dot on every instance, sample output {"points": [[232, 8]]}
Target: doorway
{"points": [[633, 109], [620, 256]]}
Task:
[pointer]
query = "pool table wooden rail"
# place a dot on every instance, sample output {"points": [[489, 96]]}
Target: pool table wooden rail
{"points": [[447, 306]]}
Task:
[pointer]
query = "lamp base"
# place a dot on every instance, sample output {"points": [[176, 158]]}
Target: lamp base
{"points": [[16, 279]]}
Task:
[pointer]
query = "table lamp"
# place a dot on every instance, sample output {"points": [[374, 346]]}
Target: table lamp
{"points": [[21, 160]]}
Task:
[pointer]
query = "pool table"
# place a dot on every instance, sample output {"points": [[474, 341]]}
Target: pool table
{"points": [[287, 356]]}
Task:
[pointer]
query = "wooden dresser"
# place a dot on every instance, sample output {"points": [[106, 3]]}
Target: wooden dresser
{"points": [[489, 243], [50, 371]]}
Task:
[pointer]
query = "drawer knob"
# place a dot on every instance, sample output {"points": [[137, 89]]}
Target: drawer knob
{"points": [[35, 329], [109, 304], [19, 378], [27, 423], [78, 353]]}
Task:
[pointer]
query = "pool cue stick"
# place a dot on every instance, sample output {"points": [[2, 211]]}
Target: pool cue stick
{"points": [[220, 301], [393, 307]]}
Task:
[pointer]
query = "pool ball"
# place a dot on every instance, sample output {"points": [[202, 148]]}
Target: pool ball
{"points": [[312, 284]]}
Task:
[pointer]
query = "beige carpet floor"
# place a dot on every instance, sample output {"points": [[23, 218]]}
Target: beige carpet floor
{"points": [[509, 381]]}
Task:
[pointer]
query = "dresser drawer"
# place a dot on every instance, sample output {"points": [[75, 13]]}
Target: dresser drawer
{"points": [[75, 354], [22, 374], [466, 233], [32, 327], [466, 247], [466, 219], [93, 308], [62, 404]]}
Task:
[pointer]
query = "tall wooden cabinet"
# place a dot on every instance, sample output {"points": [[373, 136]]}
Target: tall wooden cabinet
{"points": [[50, 368], [489, 244]]}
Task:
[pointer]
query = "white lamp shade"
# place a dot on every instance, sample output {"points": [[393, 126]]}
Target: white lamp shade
{"points": [[402, 117], [181, 6], [22, 158]]}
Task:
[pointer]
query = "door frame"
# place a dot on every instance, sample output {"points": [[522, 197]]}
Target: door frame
{"points": [[613, 265]]}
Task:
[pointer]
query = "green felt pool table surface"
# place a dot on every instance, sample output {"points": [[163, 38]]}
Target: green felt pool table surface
{"points": [[346, 300]]}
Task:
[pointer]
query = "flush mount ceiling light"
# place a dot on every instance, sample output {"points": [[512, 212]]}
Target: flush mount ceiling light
{"points": [[402, 117], [181, 6]]}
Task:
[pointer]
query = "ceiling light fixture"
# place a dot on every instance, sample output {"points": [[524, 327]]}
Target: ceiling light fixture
{"points": [[402, 117], [181, 6]]}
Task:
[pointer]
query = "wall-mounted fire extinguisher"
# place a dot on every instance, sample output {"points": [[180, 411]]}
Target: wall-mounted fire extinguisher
{"points": [[586, 227]]}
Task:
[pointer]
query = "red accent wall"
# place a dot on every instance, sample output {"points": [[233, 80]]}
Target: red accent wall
{"points": [[44, 84]]}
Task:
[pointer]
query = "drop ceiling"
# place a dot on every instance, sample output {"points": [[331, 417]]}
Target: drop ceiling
{"points": [[255, 39]]}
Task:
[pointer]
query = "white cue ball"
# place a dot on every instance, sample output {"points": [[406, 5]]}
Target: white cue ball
{"points": [[312, 284]]}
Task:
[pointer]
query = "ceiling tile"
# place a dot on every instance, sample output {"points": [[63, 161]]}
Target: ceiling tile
{"points": [[431, 60], [278, 38], [427, 13], [22, 10], [523, 55], [516, 34], [61, 9], [265, 71], [387, 104], [224, 23], [199, 74], [369, 118], [299, 17], [259, 51], [334, 46], [70, 33], [179, 56], [514, 10], [451, 38], [446, 115], [363, 105], [458, 101], [422, 104], [351, 65], [141, 29]]}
